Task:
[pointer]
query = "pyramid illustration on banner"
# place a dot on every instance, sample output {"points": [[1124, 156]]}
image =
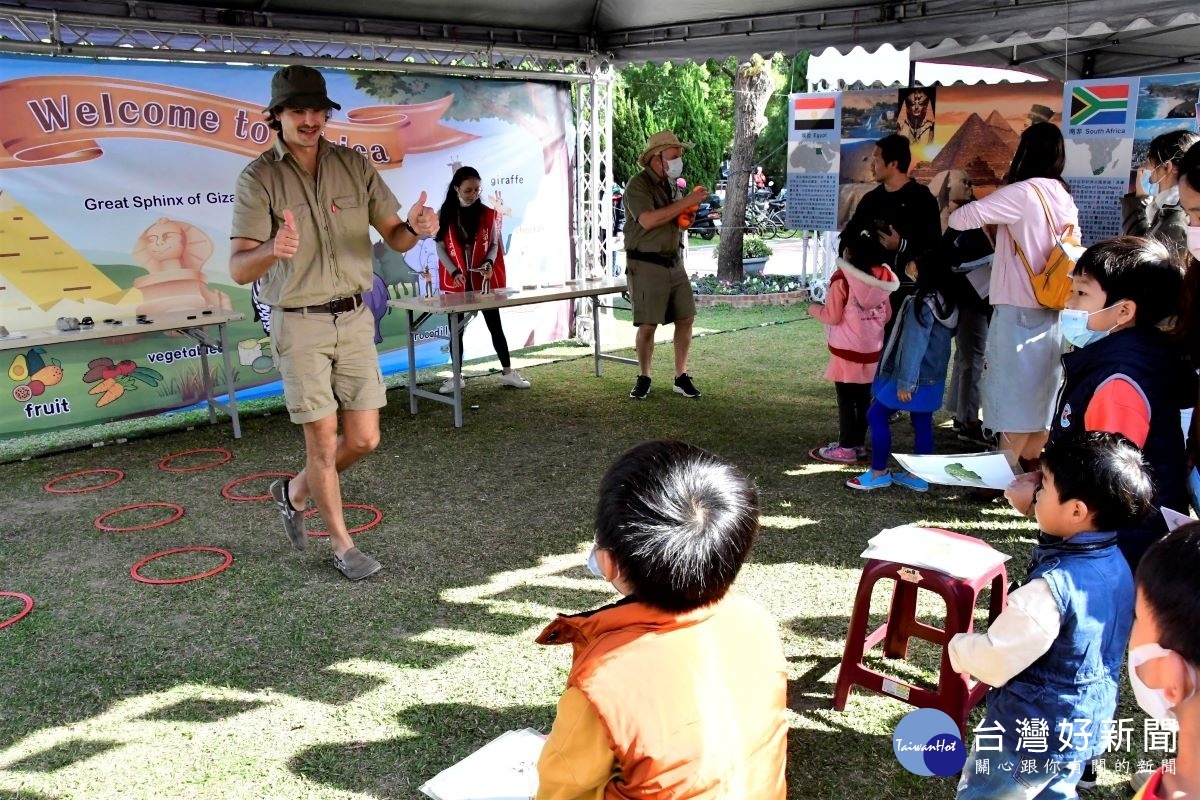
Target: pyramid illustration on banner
{"points": [[977, 148], [999, 124], [38, 267]]}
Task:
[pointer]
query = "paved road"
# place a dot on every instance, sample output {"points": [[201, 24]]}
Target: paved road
{"points": [[789, 258]]}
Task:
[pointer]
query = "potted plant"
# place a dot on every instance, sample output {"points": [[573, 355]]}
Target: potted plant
{"points": [[755, 253]]}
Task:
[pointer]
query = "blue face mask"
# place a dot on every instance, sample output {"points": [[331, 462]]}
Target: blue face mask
{"points": [[594, 565], [1074, 326], [1148, 186]]}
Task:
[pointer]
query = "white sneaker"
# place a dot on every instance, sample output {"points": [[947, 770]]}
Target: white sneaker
{"points": [[448, 386], [514, 380]]}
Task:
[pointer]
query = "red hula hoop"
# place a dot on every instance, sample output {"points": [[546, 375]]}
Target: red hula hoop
{"points": [[134, 571], [50, 483], [20, 615], [226, 493], [99, 521], [163, 464], [366, 526]]}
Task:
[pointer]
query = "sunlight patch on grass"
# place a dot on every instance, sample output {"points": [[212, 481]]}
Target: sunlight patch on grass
{"points": [[785, 523], [815, 469]]}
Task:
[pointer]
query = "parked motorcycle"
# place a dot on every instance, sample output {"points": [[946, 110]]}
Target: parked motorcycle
{"points": [[707, 219]]}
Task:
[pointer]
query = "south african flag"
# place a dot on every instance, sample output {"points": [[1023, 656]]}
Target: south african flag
{"points": [[1103, 104]]}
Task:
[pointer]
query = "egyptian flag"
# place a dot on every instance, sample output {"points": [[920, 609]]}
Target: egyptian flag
{"points": [[814, 113]]}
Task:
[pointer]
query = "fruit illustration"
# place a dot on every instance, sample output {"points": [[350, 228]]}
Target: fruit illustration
{"points": [[18, 370], [49, 375], [37, 388], [34, 359], [22, 393]]}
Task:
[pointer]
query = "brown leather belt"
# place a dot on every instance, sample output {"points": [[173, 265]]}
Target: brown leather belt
{"points": [[339, 305]]}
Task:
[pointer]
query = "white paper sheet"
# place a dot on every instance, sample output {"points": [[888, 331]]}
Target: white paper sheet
{"points": [[1175, 519], [503, 769], [921, 547], [981, 280], [977, 470]]}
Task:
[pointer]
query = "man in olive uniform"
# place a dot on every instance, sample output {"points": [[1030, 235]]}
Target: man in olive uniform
{"points": [[658, 284], [301, 223]]}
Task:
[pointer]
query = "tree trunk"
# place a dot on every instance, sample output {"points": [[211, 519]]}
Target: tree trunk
{"points": [[752, 88]]}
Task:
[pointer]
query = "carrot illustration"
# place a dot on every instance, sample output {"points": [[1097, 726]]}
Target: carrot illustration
{"points": [[115, 390]]}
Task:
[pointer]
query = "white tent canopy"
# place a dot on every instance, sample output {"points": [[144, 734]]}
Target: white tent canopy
{"points": [[1100, 37]]}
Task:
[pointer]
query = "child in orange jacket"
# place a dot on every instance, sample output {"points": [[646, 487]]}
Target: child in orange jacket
{"points": [[679, 689]]}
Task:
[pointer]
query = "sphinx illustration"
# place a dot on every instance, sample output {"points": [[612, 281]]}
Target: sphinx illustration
{"points": [[173, 253]]}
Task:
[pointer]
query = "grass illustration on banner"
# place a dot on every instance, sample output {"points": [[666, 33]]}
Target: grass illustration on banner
{"points": [[1100, 104], [814, 113]]}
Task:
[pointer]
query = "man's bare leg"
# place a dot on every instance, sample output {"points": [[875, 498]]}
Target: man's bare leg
{"points": [[327, 455], [645, 348], [683, 344]]}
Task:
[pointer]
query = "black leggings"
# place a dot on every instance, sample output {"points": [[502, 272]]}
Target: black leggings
{"points": [[853, 399], [492, 317]]}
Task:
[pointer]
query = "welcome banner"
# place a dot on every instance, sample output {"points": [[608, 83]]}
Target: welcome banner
{"points": [[102, 162]]}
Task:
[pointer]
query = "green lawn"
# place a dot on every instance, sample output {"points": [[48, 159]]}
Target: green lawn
{"points": [[277, 678]]}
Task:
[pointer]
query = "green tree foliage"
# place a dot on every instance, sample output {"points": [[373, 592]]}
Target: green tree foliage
{"points": [[791, 75], [690, 99]]}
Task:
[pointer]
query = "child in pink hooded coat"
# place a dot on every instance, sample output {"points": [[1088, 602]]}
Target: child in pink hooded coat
{"points": [[855, 311]]}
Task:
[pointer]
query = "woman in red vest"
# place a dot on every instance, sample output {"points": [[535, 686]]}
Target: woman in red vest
{"points": [[470, 253]]}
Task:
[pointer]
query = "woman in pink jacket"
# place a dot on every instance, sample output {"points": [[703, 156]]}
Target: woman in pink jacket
{"points": [[855, 311], [1022, 370]]}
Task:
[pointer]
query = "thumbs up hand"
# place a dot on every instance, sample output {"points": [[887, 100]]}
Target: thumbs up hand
{"points": [[423, 219], [287, 238]]}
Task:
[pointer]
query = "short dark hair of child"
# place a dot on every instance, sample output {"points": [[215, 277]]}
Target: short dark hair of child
{"points": [[862, 248], [896, 148], [1169, 578], [678, 520], [1138, 269], [1106, 472]]}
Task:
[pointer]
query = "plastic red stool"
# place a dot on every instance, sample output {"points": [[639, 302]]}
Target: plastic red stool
{"points": [[956, 694]]}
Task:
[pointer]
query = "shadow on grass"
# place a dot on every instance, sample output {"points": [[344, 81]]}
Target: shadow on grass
{"points": [[443, 734], [25, 794], [201, 710], [63, 755]]}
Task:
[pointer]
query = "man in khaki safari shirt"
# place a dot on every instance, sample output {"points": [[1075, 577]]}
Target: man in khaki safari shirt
{"points": [[300, 222], [659, 287]]}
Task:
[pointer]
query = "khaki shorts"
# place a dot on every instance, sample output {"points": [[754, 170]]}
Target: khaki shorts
{"points": [[659, 294], [327, 361]]}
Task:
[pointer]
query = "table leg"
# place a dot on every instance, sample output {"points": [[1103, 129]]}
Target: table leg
{"points": [[412, 363], [208, 390], [596, 331], [230, 389], [456, 366]]}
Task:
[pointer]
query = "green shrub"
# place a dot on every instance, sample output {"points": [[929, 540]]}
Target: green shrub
{"points": [[755, 247]]}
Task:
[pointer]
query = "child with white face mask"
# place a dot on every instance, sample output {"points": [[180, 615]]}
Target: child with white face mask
{"points": [[1164, 651], [1123, 374]]}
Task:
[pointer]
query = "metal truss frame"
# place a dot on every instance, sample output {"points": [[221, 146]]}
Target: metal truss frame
{"points": [[590, 76]]}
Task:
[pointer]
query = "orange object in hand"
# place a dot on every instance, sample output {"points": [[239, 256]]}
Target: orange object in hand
{"points": [[686, 218]]}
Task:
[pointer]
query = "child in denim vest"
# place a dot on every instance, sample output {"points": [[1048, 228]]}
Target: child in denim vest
{"points": [[912, 374], [855, 311], [1055, 653]]}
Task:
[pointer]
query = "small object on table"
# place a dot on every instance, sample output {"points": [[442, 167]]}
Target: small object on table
{"points": [[207, 312], [191, 316], [143, 321], [3, 332], [87, 322]]}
